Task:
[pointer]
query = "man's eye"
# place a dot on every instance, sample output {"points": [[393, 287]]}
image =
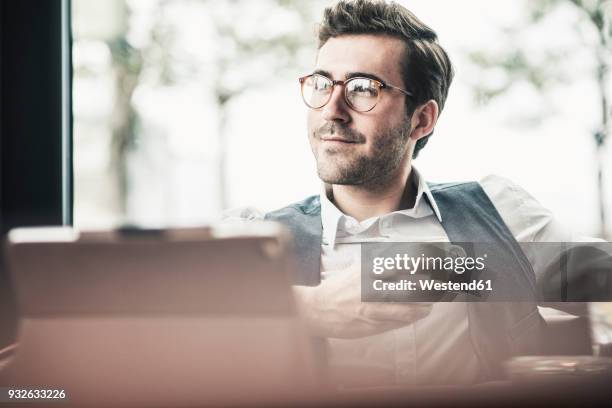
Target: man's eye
{"points": [[363, 90], [322, 85]]}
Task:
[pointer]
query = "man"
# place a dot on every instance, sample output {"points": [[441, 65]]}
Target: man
{"points": [[380, 83]]}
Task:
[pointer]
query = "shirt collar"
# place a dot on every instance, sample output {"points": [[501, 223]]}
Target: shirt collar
{"points": [[423, 189], [331, 215]]}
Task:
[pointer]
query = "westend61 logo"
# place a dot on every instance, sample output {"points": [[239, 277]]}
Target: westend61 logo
{"points": [[422, 272], [486, 272], [411, 264]]}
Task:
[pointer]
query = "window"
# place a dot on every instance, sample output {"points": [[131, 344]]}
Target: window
{"points": [[178, 102]]}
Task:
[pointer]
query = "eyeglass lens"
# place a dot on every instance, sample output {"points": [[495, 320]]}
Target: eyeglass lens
{"points": [[360, 94]]}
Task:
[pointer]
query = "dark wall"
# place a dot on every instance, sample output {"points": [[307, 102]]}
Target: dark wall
{"points": [[31, 113], [31, 132]]}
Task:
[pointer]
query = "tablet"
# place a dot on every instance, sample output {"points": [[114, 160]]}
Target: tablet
{"points": [[173, 317]]}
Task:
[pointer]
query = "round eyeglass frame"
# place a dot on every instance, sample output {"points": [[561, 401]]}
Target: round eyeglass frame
{"points": [[381, 85]]}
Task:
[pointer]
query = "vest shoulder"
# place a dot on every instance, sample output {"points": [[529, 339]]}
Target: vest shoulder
{"points": [[308, 206]]}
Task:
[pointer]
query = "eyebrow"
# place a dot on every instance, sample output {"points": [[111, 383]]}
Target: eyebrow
{"points": [[350, 75]]}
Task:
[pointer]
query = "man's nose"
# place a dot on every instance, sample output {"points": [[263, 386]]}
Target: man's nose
{"points": [[337, 109]]}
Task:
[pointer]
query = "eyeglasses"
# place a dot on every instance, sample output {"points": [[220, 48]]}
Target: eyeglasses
{"points": [[361, 94]]}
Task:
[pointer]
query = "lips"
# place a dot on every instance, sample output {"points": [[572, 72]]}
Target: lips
{"points": [[334, 132], [337, 139]]}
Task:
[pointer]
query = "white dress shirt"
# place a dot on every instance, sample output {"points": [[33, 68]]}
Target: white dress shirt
{"points": [[437, 349]]}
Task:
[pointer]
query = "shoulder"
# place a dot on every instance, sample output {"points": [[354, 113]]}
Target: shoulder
{"points": [[527, 219], [309, 205], [242, 214]]}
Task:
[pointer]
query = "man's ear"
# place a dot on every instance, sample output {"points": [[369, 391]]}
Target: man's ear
{"points": [[424, 120]]}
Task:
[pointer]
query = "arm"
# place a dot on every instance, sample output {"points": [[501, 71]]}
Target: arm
{"points": [[531, 222]]}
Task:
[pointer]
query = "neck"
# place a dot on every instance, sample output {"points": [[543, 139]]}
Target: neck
{"points": [[378, 198]]}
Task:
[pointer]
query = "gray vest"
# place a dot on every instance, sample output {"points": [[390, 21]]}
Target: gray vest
{"points": [[498, 330]]}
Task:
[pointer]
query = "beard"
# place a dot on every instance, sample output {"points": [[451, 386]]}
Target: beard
{"points": [[348, 166]]}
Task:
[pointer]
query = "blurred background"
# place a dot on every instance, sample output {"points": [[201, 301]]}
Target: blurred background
{"points": [[186, 108]]}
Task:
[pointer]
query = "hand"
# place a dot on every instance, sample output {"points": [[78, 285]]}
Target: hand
{"points": [[334, 308]]}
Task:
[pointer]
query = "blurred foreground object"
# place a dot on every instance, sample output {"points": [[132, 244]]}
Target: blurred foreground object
{"points": [[158, 317], [601, 328], [537, 368]]}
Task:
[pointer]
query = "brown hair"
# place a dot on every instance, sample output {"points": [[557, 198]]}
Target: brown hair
{"points": [[426, 69]]}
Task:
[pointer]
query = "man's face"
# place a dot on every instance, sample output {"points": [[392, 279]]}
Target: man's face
{"points": [[360, 148]]}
